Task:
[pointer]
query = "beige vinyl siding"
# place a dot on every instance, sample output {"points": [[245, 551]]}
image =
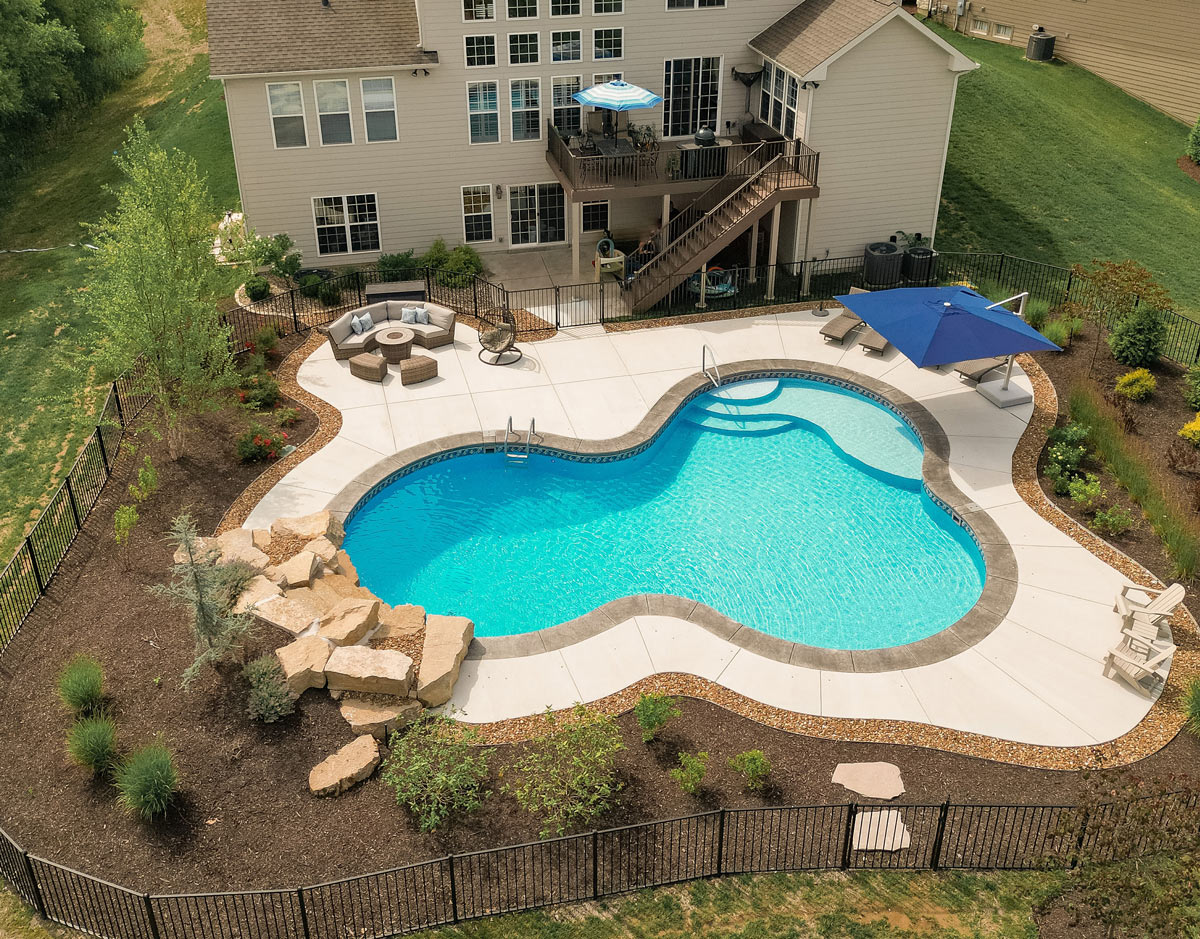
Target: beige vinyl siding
{"points": [[1150, 49], [418, 179], [880, 120]]}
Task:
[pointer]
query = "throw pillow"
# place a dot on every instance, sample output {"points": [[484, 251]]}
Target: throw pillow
{"points": [[408, 315], [356, 325], [423, 316], [367, 322]]}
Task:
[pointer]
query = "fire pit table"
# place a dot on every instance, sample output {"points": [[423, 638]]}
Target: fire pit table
{"points": [[395, 344]]}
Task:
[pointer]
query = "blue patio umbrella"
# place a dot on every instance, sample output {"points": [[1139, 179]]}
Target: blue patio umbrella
{"points": [[617, 96]]}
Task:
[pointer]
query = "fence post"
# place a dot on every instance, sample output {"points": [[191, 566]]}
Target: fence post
{"points": [[303, 911], [117, 399], [936, 859], [150, 916], [453, 891], [358, 285], [851, 814], [103, 453], [557, 321], [595, 866], [1000, 270], [37, 889], [1079, 841], [295, 318], [37, 573], [721, 843], [475, 295], [74, 505]]}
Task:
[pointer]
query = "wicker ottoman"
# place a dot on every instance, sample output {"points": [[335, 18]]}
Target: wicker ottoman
{"points": [[368, 366], [418, 368]]}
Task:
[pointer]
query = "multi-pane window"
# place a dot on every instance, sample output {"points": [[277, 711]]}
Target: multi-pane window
{"points": [[567, 112], [779, 99], [477, 213], [601, 7], [537, 214], [595, 216], [478, 10], [566, 46], [379, 109], [522, 9], [691, 93], [693, 4], [333, 111], [287, 114], [603, 78], [525, 95], [523, 49], [481, 50], [1000, 31], [566, 7], [979, 26], [346, 223], [483, 106], [608, 43]]}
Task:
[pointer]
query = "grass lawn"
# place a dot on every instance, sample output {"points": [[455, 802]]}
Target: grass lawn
{"points": [[49, 391], [1051, 163]]}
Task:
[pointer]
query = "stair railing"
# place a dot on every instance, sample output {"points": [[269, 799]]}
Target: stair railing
{"points": [[705, 352]]}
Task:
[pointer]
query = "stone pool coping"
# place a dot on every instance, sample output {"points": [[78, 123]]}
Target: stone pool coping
{"points": [[1000, 584]]}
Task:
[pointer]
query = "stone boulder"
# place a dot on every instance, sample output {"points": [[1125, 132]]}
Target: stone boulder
{"points": [[323, 548], [261, 538], [299, 571], [344, 566], [303, 663], [400, 622], [351, 764], [374, 671], [203, 546], [445, 647], [349, 621], [379, 719], [238, 545], [258, 590], [307, 527], [294, 616]]}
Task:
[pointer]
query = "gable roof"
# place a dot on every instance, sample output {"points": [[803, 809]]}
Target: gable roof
{"points": [[255, 37]]}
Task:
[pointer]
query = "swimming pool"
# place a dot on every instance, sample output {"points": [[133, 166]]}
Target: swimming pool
{"points": [[790, 505]]}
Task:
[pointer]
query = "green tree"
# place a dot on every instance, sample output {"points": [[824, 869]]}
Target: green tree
{"points": [[35, 79], [1193, 142], [155, 285], [109, 37]]}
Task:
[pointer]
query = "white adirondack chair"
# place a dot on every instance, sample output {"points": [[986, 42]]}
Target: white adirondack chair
{"points": [[1156, 609], [1134, 660]]}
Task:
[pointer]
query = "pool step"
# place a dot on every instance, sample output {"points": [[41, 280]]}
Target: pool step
{"points": [[748, 392]]}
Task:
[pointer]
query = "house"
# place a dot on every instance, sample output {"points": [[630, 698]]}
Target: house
{"points": [[362, 126], [1149, 49]]}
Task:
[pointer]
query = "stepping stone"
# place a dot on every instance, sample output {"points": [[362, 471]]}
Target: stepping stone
{"points": [[349, 621], [307, 527], [299, 570], [288, 614], [379, 719], [880, 830], [259, 589], [445, 647], [873, 780], [351, 764], [380, 671], [303, 663]]}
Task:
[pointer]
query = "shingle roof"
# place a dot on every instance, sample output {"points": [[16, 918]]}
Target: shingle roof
{"points": [[250, 37], [816, 29]]}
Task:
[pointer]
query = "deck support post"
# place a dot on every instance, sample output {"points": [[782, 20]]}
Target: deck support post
{"points": [[773, 251], [754, 252], [576, 234], [703, 304]]}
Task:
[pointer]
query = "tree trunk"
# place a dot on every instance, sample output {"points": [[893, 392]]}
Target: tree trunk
{"points": [[175, 441]]}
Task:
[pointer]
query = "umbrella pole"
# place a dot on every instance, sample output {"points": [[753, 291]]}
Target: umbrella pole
{"points": [[1007, 373]]}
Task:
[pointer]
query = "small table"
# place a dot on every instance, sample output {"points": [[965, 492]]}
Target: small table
{"points": [[395, 343]]}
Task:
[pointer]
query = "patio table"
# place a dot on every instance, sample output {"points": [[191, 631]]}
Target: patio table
{"points": [[395, 344]]}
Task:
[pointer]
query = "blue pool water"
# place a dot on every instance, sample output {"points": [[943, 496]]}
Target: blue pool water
{"points": [[791, 506]]}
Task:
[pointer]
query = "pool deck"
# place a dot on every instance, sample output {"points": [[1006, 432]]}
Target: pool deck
{"points": [[1036, 678]]}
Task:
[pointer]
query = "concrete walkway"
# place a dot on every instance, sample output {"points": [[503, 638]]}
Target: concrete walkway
{"points": [[1036, 678]]}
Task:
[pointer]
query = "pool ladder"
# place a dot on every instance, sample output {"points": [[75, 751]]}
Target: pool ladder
{"points": [[705, 354], [518, 456]]}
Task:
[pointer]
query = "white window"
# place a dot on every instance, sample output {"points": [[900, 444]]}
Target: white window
{"points": [[608, 43], [525, 95], [691, 93], [379, 109], [779, 99], [693, 4], [1002, 32], [567, 111], [477, 213], [603, 78], [566, 46], [483, 107], [523, 49], [481, 51], [286, 103], [478, 11], [605, 7], [522, 9], [346, 224], [566, 7], [333, 112], [595, 216], [979, 26]]}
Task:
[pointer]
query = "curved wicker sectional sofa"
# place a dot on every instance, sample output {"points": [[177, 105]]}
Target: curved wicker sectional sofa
{"points": [[439, 331]]}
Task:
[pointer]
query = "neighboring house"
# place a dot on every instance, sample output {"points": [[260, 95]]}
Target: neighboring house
{"points": [[1149, 49], [364, 126]]}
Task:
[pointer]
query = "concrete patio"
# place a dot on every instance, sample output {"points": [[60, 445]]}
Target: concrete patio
{"points": [[1036, 678]]}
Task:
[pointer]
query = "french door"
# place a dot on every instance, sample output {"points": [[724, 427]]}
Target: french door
{"points": [[537, 214]]}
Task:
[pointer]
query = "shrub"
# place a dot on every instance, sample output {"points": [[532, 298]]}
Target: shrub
{"points": [[690, 771], [147, 781], [652, 712], [1112, 521], [567, 776], [310, 284], [1183, 458], [1192, 147], [403, 266], [329, 293], [265, 340], [1191, 431], [259, 444], [437, 257], [1137, 385], [269, 698], [257, 287], [125, 520], [259, 391], [147, 481], [81, 685], [92, 743], [1072, 433], [1036, 313], [1191, 706], [754, 766], [277, 252], [437, 770], [1191, 387], [1085, 491], [287, 417], [1057, 332], [1062, 464], [1138, 337]]}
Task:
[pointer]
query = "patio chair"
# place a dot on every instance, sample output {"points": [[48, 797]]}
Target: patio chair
{"points": [[975, 369], [1157, 608], [844, 323], [1134, 662], [872, 341], [500, 340]]}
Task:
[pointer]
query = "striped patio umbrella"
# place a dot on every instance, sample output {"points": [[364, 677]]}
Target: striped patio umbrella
{"points": [[617, 96]]}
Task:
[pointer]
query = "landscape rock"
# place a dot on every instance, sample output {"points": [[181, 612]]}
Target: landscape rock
{"points": [[299, 570], [323, 548], [380, 671], [881, 830], [345, 567], [261, 538], [307, 527], [238, 545], [379, 719], [288, 614], [341, 586], [259, 589], [446, 641], [351, 764], [303, 663], [873, 780], [405, 620], [349, 621], [203, 546]]}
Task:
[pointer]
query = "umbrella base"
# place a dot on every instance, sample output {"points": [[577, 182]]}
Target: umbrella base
{"points": [[1003, 397]]}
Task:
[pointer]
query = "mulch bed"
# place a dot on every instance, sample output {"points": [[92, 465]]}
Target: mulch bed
{"points": [[1189, 166]]}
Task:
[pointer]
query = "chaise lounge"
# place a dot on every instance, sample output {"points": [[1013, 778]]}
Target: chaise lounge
{"points": [[345, 342]]}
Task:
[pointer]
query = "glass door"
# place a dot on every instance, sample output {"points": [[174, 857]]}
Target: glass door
{"points": [[537, 214]]}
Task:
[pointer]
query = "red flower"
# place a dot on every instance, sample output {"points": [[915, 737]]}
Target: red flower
{"points": [[271, 455], [258, 440], [283, 434]]}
